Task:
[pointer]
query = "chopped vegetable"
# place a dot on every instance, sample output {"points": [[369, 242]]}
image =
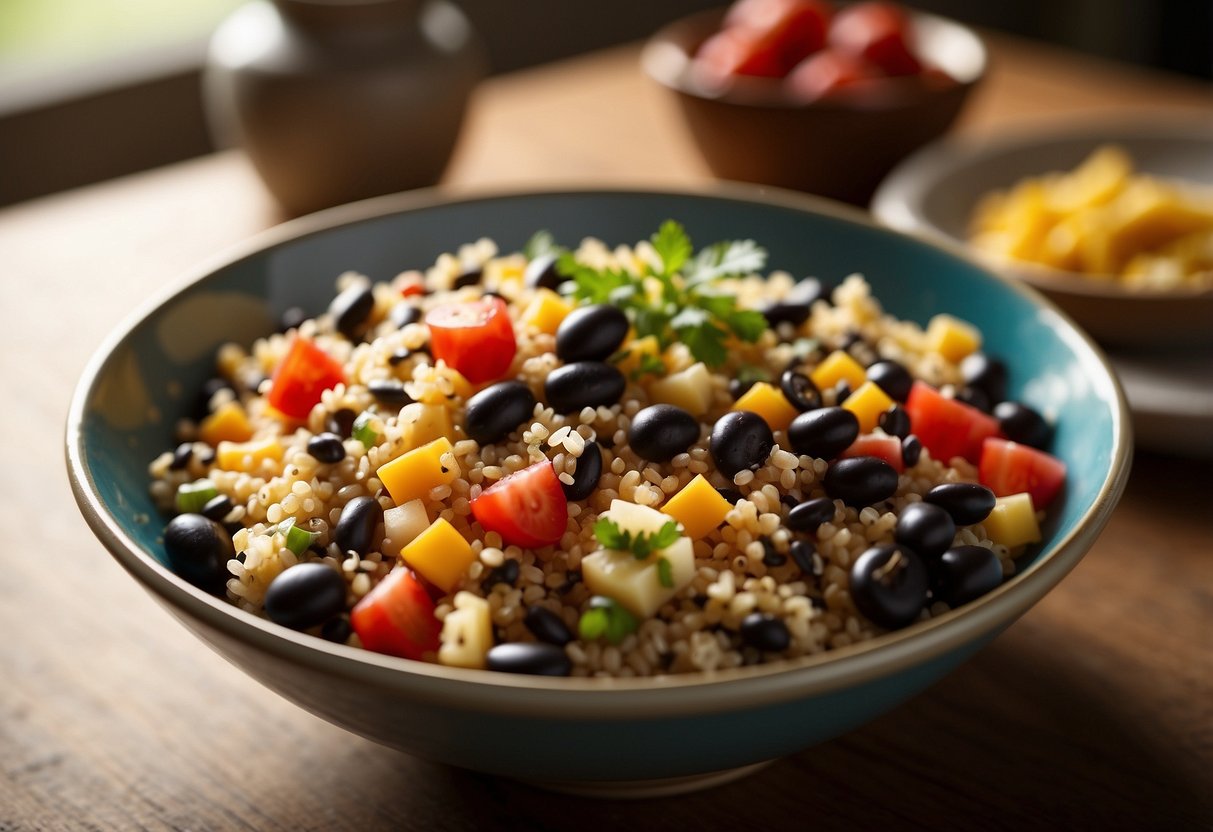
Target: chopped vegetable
{"points": [[1013, 521], [632, 579], [952, 338], [608, 619], [467, 633], [527, 508], [440, 554], [768, 402], [414, 474], [1009, 468], [397, 617], [867, 403], [304, 374], [698, 507], [476, 338], [229, 423], [298, 540], [838, 366], [364, 429], [546, 311], [247, 456], [947, 427], [192, 496]]}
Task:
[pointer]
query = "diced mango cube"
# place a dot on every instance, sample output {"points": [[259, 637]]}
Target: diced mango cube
{"points": [[690, 389], [411, 476], [229, 423], [1013, 521], [421, 423], [698, 507], [247, 456], [546, 311], [467, 633], [838, 366], [768, 402], [439, 554], [952, 338], [636, 584], [867, 403]]}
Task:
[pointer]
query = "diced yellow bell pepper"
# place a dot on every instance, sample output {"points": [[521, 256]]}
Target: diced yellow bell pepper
{"points": [[838, 366], [227, 424], [546, 311], [439, 554], [467, 632], [867, 403], [635, 350], [411, 476], [768, 402], [952, 338], [698, 507], [247, 456], [1013, 521]]}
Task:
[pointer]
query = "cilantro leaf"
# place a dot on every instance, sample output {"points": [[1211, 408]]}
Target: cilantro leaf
{"points": [[541, 243], [610, 535], [641, 545], [592, 285], [706, 342], [649, 365], [665, 573], [673, 246], [666, 535], [747, 324], [726, 259]]}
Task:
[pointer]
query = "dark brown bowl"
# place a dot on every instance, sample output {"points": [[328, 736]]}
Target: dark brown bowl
{"points": [[839, 147]]}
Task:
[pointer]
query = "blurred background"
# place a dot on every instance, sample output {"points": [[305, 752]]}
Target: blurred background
{"points": [[102, 88]]}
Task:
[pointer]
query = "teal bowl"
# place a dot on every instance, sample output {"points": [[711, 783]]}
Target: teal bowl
{"points": [[626, 736]]}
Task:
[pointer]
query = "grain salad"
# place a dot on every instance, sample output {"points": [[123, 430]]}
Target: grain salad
{"points": [[601, 461]]}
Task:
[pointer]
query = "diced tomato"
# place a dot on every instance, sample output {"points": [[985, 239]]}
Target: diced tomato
{"points": [[737, 52], [1010, 468], [828, 72], [947, 427], [788, 30], [879, 32], [878, 445], [528, 508], [305, 373], [475, 338], [397, 617]]}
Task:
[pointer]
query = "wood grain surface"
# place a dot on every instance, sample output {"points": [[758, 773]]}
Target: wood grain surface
{"points": [[1095, 711]]}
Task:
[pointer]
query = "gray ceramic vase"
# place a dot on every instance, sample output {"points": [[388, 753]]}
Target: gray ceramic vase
{"points": [[337, 100]]}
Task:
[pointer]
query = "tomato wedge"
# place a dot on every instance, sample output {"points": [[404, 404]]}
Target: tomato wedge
{"points": [[304, 374], [828, 72], [528, 508], [783, 31], [880, 33], [475, 338], [947, 427], [1010, 468], [878, 445], [397, 617]]}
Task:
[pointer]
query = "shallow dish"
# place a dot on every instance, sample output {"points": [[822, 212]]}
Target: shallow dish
{"points": [[935, 191], [604, 736]]}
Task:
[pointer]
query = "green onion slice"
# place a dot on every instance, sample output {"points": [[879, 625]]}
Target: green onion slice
{"points": [[192, 497]]}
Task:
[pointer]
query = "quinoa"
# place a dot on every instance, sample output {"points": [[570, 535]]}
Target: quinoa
{"points": [[742, 567]]}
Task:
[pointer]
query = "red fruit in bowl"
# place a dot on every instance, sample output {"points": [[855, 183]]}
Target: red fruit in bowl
{"points": [[736, 52], [788, 30], [880, 33], [828, 72]]}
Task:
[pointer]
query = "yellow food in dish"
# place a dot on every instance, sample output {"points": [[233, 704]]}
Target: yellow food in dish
{"points": [[1105, 221]]}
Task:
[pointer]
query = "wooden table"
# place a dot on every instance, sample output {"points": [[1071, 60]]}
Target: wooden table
{"points": [[1093, 712]]}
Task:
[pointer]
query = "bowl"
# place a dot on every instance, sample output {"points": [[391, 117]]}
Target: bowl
{"points": [[622, 736], [840, 147], [935, 191]]}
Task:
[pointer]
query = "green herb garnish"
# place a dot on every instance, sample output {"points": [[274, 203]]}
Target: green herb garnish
{"points": [[192, 497], [640, 544], [298, 540], [540, 244], [649, 365], [606, 617], [665, 573], [676, 301]]}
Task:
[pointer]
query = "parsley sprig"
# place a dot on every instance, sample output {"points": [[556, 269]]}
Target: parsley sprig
{"points": [[676, 300], [639, 544]]}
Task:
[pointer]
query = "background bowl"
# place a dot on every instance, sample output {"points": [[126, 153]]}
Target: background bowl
{"points": [[839, 148], [935, 191], [577, 733]]}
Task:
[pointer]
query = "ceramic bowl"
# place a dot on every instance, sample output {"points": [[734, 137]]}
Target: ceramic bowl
{"points": [[935, 191], [604, 736], [837, 147]]}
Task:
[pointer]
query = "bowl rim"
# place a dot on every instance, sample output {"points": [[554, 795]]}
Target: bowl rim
{"points": [[666, 60], [595, 698], [899, 201]]}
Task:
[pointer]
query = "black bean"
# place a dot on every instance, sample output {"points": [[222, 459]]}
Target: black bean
{"points": [[1022, 424], [212, 386], [389, 391], [506, 574], [804, 554], [586, 474], [218, 507], [892, 378], [541, 273], [889, 585], [356, 525], [738, 387], [198, 550], [326, 447], [403, 314], [860, 481], [468, 277], [337, 629], [662, 431], [547, 626], [497, 410], [810, 514], [770, 555], [965, 573], [785, 312], [305, 595], [895, 422], [765, 632], [351, 308], [532, 658], [985, 373], [591, 333], [741, 440], [730, 494], [181, 456], [341, 422], [789, 502], [291, 319], [799, 390], [966, 502], [974, 397], [823, 433], [583, 384], [925, 528], [911, 450]]}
